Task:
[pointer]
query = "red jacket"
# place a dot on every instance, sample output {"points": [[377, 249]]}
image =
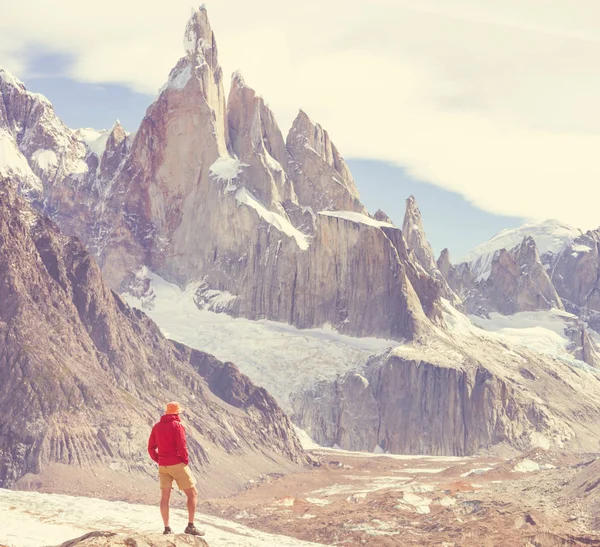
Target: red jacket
{"points": [[167, 444]]}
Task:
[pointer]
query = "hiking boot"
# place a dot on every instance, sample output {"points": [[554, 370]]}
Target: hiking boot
{"points": [[167, 530], [193, 531]]}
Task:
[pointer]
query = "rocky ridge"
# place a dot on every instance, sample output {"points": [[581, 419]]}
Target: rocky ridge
{"points": [[83, 377], [562, 276], [294, 219], [454, 393]]}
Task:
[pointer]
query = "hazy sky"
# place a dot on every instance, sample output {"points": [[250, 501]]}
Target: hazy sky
{"points": [[494, 100]]}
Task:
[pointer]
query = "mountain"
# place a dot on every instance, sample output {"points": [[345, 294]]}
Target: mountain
{"points": [[210, 196], [515, 281], [550, 237], [83, 377], [456, 392], [284, 215], [553, 267]]}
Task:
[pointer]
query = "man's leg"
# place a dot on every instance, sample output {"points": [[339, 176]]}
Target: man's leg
{"points": [[192, 498], [164, 505]]}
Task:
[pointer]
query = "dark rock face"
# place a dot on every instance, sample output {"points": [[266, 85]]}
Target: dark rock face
{"points": [[83, 376]]}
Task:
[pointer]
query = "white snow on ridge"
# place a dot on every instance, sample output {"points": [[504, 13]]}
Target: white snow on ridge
{"points": [[45, 159], [357, 217], [550, 236], [578, 249], [277, 356], [541, 331], [10, 79], [279, 222], [226, 169], [178, 80], [13, 162], [30, 519]]}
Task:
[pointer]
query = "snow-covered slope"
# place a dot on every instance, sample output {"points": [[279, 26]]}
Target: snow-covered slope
{"points": [[29, 519], [550, 236], [541, 331], [277, 356]]}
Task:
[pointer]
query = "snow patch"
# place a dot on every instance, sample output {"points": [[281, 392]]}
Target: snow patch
{"points": [[13, 162], [420, 504], [550, 236], [227, 169], [479, 471], [579, 249], [45, 159], [526, 466], [541, 331], [277, 356], [30, 519], [358, 218], [305, 439], [274, 219], [94, 138], [178, 80]]}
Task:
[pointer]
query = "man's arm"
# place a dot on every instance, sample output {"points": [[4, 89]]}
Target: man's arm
{"points": [[153, 447], [181, 444]]}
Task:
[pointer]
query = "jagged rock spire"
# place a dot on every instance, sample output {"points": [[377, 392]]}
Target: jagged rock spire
{"points": [[115, 151], [415, 237], [321, 177], [382, 217], [257, 141], [199, 38], [444, 264], [200, 68]]}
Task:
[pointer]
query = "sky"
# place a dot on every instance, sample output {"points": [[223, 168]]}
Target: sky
{"points": [[450, 221], [495, 102]]}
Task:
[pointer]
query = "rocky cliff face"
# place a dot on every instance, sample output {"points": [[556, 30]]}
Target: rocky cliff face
{"points": [[83, 377], [202, 165], [321, 176], [453, 395], [520, 280], [516, 281], [576, 275], [420, 250]]}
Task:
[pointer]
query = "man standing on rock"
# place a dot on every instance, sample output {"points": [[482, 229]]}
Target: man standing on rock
{"points": [[167, 446]]}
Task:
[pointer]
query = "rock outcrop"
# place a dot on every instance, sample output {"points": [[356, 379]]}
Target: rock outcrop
{"points": [[576, 275], [320, 174], [112, 539], [515, 281], [420, 250], [83, 376], [457, 394]]}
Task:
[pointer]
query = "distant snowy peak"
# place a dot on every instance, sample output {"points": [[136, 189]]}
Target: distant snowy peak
{"points": [[36, 146], [94, 138], [551, 237], [8, 79]]}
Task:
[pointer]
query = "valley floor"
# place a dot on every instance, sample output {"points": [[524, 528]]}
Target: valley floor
{"points": [[539, 499]]}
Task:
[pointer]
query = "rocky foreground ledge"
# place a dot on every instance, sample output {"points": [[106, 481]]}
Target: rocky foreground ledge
{"points": [[112, 539]]}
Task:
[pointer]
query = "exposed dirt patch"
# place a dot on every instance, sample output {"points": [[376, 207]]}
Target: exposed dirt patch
{"points": [[385, 501]]}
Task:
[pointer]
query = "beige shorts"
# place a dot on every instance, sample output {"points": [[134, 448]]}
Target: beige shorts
{"points": [[180, 473]]}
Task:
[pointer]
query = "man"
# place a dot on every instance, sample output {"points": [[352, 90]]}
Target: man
{"points": [[167, 446]]}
